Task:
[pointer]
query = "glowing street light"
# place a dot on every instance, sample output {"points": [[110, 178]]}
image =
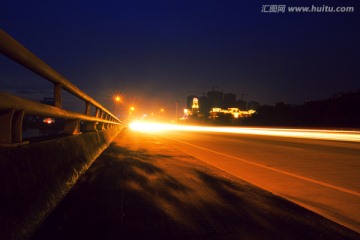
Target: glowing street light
{"points": [[117, 99]]}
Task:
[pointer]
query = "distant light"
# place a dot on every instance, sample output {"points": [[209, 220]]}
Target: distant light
{"points": [[132, 108], [48, 120], [117, 98]]}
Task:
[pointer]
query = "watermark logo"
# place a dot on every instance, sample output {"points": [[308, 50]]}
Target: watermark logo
{"points": [[273, 8], [306, 9]]}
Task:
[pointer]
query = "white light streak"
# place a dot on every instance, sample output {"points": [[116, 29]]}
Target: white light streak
{"points": [[338, 135]]}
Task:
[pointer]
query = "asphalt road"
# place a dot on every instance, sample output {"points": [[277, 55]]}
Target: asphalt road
{"points": [[321, 175], [143, 186]]}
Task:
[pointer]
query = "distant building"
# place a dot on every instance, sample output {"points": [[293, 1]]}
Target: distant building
{"points": [[241, 104], [215, 99], [232, 112], [204, 107], [189, 101], [229, 100], [217, 104], [195, 107]]}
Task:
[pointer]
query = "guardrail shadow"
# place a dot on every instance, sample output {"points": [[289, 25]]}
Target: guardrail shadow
{"points": [[136, 194]]}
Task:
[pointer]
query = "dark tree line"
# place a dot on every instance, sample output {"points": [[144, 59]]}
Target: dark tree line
{"points": [[341, 110]]}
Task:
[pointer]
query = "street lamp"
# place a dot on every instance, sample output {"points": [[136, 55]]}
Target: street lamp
{"points": [[117, 99]]}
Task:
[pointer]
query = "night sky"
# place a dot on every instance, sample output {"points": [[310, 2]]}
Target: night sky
{"points": [[155, 53]]}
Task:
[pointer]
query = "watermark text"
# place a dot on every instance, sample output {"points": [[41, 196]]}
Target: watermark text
{"points": [[306, 9]]}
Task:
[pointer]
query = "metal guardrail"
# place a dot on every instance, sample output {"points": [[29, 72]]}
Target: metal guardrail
{"points": [[13, 109]]}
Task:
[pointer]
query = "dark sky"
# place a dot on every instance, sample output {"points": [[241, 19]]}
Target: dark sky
{"points": [[158, 52]]}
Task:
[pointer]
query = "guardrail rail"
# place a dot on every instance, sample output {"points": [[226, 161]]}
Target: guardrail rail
{"points": [[13, 108]]}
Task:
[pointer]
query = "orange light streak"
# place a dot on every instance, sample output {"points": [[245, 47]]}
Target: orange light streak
{"points": [[337, 135]]}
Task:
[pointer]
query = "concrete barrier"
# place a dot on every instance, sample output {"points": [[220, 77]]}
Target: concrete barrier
{"points": [[35, 177]]}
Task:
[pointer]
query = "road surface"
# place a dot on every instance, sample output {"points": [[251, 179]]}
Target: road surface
{"points": [[322, 175], [144, 187]]}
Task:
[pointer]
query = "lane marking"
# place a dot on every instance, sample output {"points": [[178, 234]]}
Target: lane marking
{"points": [[341, 189]]}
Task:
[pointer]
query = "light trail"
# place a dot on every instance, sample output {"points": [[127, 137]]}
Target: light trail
{"points": [[337, 135]]}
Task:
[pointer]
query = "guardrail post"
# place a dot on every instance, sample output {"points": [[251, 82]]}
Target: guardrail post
{"points": [[57, 95], [72, 126], [106, 117], [100, 126], [6, 126], [97, 112], [90, 126], [11, 127], [87, 108], [17, 122]]}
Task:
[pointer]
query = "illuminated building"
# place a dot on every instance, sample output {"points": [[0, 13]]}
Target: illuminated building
{"points": [[189, 101], [216, 104], [233, 112], [195, 107]]}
